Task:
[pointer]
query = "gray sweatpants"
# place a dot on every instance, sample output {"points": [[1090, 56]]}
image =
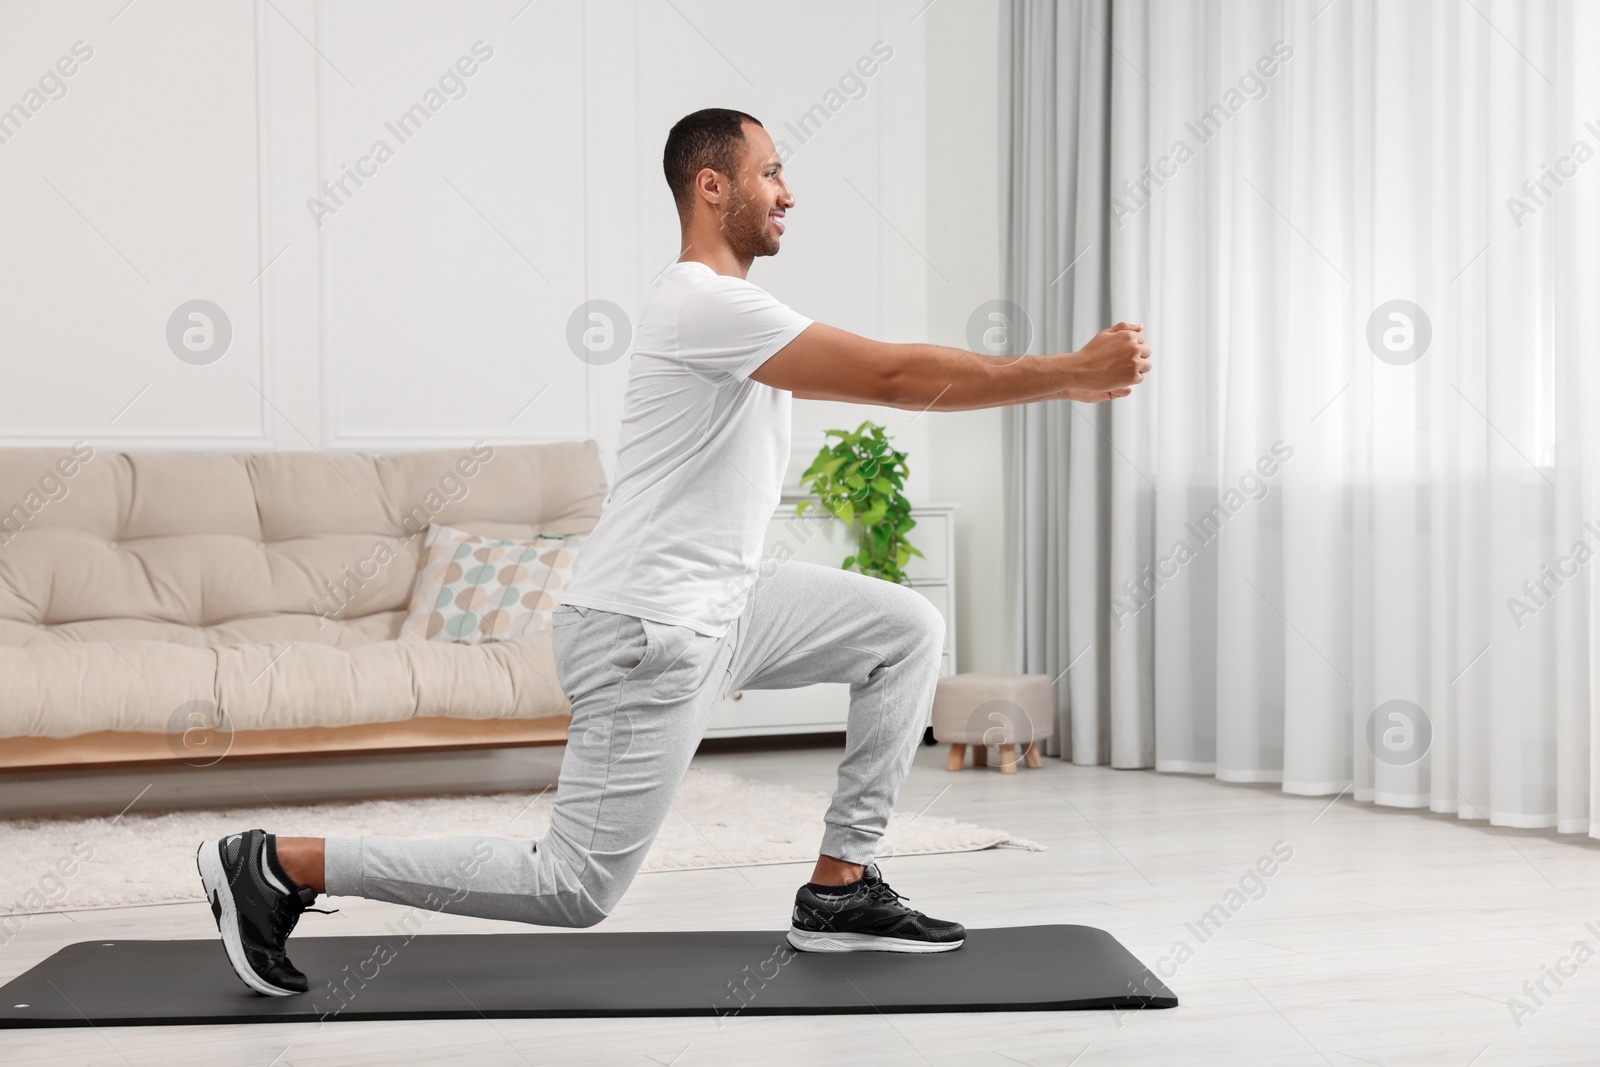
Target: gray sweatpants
{"points": [[641, 695]]}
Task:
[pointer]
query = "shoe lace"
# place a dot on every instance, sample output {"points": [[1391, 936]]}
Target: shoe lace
{"points": [[881, 893], [300, 901], [287, 913]]}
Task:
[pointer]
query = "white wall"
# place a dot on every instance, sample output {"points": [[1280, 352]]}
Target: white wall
{"points": [[964, 447], [430, 304]]}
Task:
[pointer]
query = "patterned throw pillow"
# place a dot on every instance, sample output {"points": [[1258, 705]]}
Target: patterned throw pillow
{"points": [[474, 589]]}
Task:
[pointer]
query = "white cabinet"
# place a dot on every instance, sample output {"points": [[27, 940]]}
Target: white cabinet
{"points": [[826, 541]]}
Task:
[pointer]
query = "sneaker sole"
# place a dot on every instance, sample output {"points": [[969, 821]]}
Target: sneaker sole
{"points": [[811, 941], [208, 860]]}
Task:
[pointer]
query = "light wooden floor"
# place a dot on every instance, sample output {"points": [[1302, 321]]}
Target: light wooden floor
{"points": [[1388, 938]]}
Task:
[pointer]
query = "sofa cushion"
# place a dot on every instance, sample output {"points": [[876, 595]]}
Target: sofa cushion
{"points": [[301, 684], [63, 689], [202, 540], [190, 566], [474, 589]]}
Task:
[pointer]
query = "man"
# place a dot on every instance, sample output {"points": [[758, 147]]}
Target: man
{"points": [[664, 616]]}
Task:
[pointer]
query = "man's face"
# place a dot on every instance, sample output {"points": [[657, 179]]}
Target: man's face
{"points": [[757, 198]]}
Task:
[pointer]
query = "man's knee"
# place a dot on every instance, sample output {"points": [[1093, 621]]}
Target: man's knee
{"points": [[923, 623], [585, 896], [590, 914], [583, 909], [599, 897]]}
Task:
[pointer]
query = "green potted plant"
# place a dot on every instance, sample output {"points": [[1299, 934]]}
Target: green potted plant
{"points": [[860, 479]]}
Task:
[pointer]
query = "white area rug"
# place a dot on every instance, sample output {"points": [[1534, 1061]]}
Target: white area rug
{"points": [[719, 820]]}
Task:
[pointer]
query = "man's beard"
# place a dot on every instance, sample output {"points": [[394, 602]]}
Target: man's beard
{"points": [[748, 230]]}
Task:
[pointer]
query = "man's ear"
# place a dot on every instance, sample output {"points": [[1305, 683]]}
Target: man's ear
{"points": [[712, 184]]}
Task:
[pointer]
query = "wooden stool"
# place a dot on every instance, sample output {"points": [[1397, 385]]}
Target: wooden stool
{"points": [[1011, 711]]}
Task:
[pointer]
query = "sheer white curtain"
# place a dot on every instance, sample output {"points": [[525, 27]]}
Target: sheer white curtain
{"points": [[1346, 535]]}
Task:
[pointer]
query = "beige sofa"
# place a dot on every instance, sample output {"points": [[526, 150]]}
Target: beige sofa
{"points": [[140, 590]]}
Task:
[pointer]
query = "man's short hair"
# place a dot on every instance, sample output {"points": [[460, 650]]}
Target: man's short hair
{"points": [[713, 137]]}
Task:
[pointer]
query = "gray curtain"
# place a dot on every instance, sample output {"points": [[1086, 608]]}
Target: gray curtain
{"points": [[1346, 537], [1068, 485]]}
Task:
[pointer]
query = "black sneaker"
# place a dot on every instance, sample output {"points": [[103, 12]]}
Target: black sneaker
{"points": [[256, 906], [867, 916]]}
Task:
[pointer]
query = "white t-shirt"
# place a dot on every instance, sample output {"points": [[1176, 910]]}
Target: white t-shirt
{"points": [[702, 456]]}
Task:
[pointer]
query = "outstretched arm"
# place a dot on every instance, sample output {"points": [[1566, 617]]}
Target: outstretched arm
{"points": [[827, 363]]}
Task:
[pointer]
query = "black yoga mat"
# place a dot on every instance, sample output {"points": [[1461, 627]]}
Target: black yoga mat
{"points": [[569, 973]]}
